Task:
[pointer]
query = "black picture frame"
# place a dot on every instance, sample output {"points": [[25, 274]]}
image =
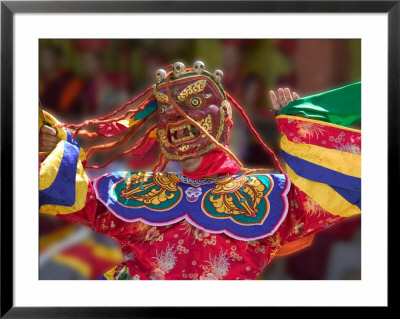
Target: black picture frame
{"points": [[9, 8]]}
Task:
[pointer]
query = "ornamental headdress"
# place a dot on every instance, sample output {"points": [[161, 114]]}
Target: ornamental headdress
{"points": [[194, 118]]}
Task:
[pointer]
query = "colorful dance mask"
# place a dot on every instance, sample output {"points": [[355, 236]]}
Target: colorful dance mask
{"points": [[200, 96]]}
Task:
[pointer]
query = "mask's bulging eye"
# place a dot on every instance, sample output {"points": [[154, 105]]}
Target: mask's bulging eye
{"points": [[162, 109], [195, 102]]}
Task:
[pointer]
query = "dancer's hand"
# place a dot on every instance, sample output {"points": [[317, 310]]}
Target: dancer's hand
{"points": [[47, 139], [284, 97]]}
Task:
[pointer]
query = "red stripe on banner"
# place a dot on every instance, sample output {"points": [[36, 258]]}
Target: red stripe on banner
{"points": [[331, 137]]}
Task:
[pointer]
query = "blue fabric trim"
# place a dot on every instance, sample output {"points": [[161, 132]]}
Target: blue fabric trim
{"points": [[62, 191], [193, 212], [321, 174], [70, 139], [353, 197]]}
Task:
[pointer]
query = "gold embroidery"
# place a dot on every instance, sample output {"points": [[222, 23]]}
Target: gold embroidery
{"points": [[299, 229], [162, 135], [161, 97], [309, 130], [191, 89], [312, 208], [193, 276], [182, 249], [167, 185], [206, 123], [260, 249], [235, 256], [199, 235], [229, 189], [211, 241], [151, 234], [228, 107], [221, 123], [252, 243], [274, 241], [187, 228]]}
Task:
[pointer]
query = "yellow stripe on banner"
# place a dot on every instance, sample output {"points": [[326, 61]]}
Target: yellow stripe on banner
{"points": [[324, 195], [128, 123], [81, 267], [103, 252], [82, 155], [81, 188], [339, 161], [42, 120], [153, 133], [57, 235], [109, 275], [49, 167], [61, 132], [305, 119]]}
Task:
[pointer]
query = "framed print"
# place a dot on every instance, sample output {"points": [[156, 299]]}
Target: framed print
{"points": [[157, 86]]}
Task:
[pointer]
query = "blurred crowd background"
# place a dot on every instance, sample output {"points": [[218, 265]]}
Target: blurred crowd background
{"points": [[87, 78]]}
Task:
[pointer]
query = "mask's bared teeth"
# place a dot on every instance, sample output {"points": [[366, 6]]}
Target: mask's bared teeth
{"points": [[186, 132], [184, 148], [183, 133]]}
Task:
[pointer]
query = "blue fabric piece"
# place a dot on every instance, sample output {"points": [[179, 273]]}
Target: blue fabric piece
{"points": [[321, 174], [275, 208], [62, 191], [349, 187], [70, 139], [353, 197]]}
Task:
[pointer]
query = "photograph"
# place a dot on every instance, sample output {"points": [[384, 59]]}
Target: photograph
{"points": [[209, 151], [200, 159]]}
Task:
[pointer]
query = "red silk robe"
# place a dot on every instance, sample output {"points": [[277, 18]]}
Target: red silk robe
{"points": [[182, 251]]}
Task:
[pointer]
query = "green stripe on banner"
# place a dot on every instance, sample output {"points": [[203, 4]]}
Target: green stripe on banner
{"points": [[340, 106], [146, 112]]}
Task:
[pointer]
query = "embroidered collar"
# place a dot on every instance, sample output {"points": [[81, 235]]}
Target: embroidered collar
{"points": [[245, 207]]}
